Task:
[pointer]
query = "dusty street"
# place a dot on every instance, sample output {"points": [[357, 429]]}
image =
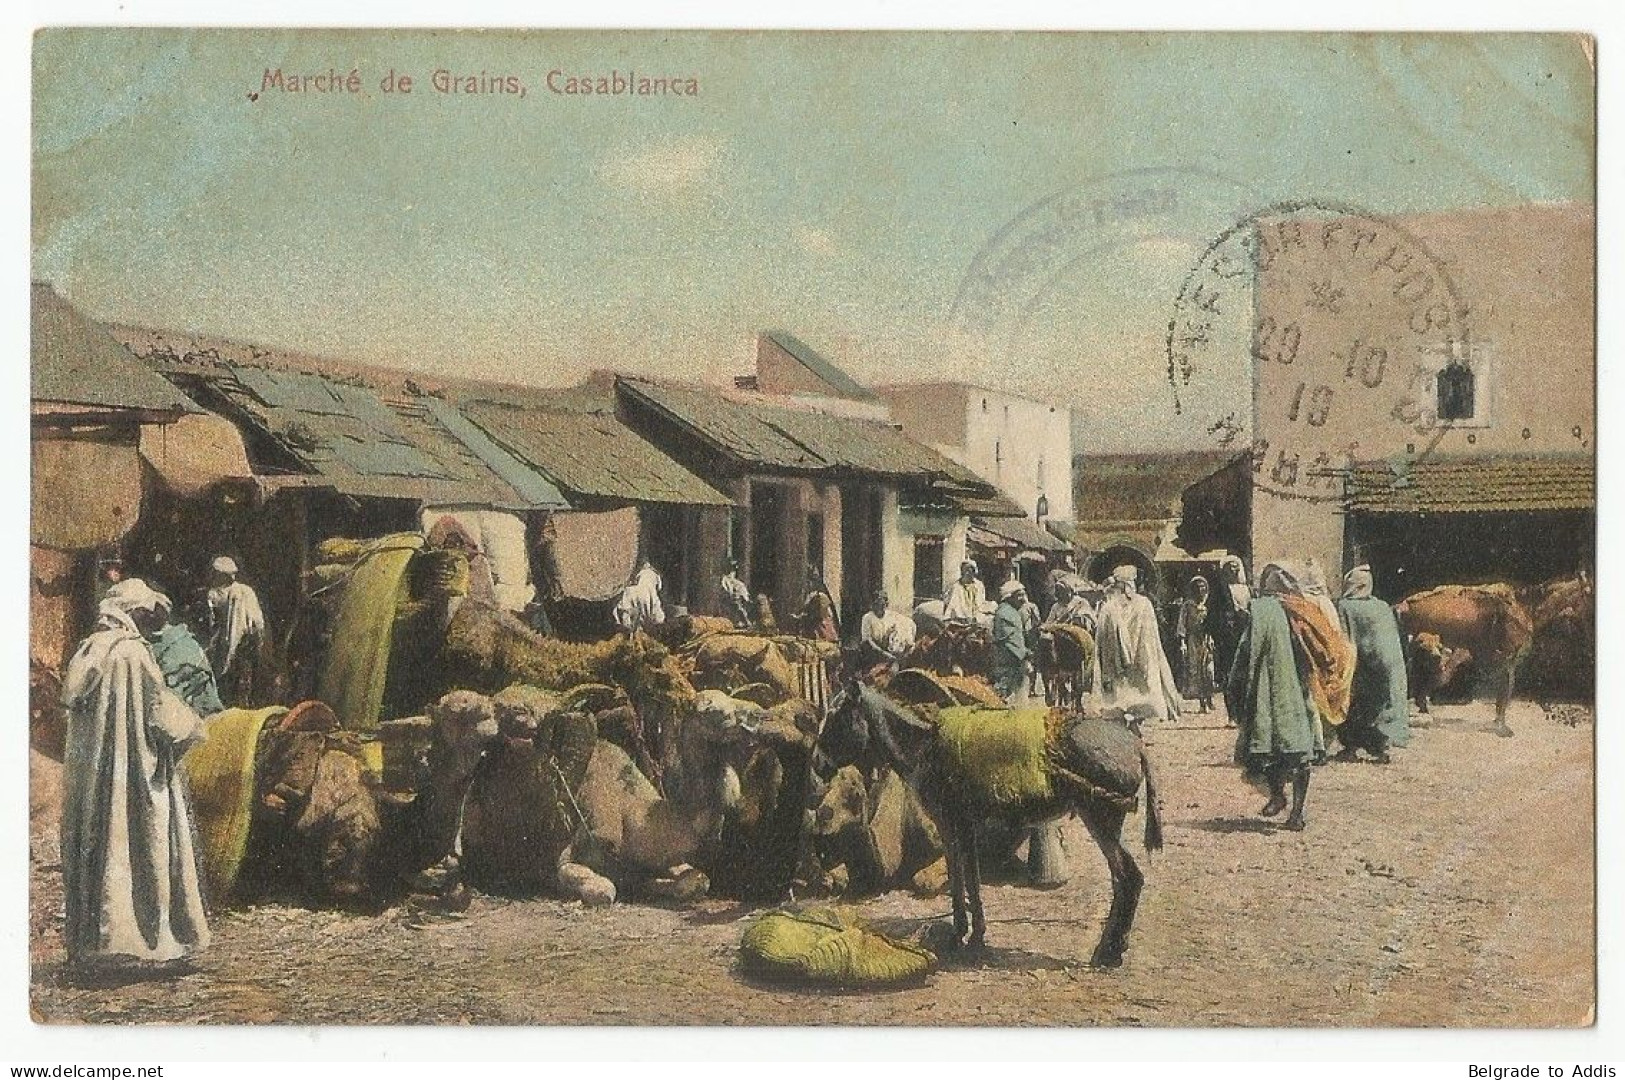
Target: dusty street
{"points": [[1451, 888]]}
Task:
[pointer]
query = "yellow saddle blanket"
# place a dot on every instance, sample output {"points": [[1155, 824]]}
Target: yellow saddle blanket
{"points": [[999, 752]]}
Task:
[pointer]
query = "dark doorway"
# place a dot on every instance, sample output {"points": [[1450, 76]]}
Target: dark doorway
{"points": [[766, 548], [860, 552]]}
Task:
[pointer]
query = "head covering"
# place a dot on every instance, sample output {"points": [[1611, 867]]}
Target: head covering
{"points": [[1314, 581], [968, 565], [1357, 583], [225, 564], [125, 598], [1198, 584], [1063, 585], [1127, 572], [1277, 579], [1010, 588], [1234, 565]]}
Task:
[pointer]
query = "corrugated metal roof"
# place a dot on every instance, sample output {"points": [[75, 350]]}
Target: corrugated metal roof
{"points": [[531, 485], [353, 440], [592, 454], [77, 361], [1529, 482], [776, 437], [809, 358]]}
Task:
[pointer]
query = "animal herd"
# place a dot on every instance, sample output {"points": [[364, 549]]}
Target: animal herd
{"points": [[669, 771]]}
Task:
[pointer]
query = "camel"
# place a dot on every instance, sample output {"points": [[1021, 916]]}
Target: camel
{"points": [[1094, 766], [879, 833], [549, 806]]}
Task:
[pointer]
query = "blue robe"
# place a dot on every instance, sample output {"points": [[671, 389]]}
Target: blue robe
{"points": [[1009, 650], [186, 668], [1381, 689]]}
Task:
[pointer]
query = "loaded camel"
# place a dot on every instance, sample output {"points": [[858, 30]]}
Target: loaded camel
{"points": [[1092, 766]]}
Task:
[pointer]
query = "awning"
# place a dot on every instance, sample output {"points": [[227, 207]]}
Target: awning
{"points": [[1481, 485], [195, 453], [1023, 534]]}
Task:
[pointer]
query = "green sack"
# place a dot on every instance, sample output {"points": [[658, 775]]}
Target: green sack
{"points": [[831, 946]]}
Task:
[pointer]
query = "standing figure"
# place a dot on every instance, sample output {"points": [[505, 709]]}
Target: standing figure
{"points": [[1010, 650], [237, 636], [129, 869], [1379, 713], [1196, 644], [964, 598], [639, 608], [818, 619], [736, 602], [1129, 662], [1227, 619], [1031, 619], [1293, 669]]}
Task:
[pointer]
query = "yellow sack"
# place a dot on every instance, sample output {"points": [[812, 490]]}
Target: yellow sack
{"points": [[353, 672], [998, 752], [219, 773], [830, 945]]}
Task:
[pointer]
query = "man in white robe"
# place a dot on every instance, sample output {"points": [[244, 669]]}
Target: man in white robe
{"points": [[129, 867], [639, 607], [237, 632], [964, 599], [1133, 670]]}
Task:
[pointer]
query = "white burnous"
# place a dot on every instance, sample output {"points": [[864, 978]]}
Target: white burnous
{"points": [[129, 865]]}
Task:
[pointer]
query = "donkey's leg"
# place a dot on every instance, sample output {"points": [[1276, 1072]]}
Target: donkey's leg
{"points": [[954, 853], [972, 874], [1105, 824], [1503, 698]]}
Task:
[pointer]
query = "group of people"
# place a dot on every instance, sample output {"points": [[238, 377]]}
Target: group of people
{"points": [[1306, 666], [135, 693]]}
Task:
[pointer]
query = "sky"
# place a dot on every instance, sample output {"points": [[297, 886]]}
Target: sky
{"points": [[1015, 210]]}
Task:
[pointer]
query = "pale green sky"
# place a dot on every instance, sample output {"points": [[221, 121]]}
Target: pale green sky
{"points": [[841, 186]]}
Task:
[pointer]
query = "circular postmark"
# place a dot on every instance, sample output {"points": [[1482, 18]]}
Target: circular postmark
{"points": [[1072, 288], [1356, 325]]}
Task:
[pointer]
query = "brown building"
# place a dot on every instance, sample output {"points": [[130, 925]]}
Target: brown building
{"points": [[1424, 395]]}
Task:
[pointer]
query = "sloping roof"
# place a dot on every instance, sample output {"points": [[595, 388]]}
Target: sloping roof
{"points": [[1022, 532], [776, 437], [825, 371], [1529, 482], [592, 454], [349, 438], [1123, 488], [77, 361]]}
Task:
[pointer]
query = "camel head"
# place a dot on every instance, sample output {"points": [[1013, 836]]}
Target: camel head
{"points": [[715, 744], [844, 804]]}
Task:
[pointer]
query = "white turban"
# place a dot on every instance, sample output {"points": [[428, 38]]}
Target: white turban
{"points": [[225, 564], [1127, 572], [125, 598], [1009, 589]]}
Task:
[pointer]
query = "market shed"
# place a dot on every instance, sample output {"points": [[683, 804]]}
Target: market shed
{"points": [[626, 497], [94, 410], [819, 493]]}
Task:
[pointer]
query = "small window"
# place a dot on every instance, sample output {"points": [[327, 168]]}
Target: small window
{"points": [[1456, 392], [998, 452], [928, 552], [984, 404]]}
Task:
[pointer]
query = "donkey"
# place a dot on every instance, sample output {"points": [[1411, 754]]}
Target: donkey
{"points": [[1095, 768]]}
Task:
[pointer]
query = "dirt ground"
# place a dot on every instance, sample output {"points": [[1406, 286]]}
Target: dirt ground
{"points": [[1453, 887]]}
